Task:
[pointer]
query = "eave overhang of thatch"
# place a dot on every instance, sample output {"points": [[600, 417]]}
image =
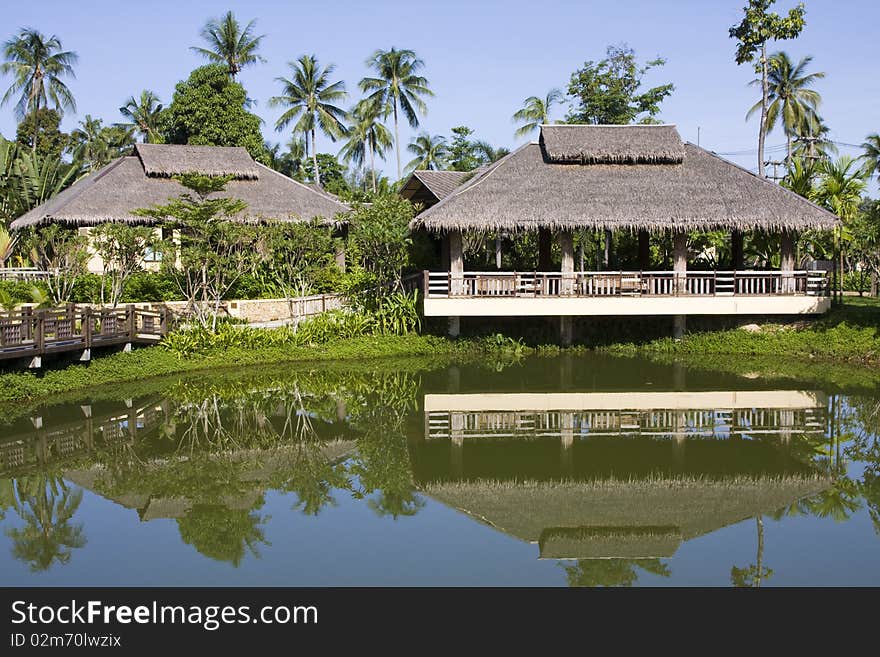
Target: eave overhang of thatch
{"points": [[112, 194], [526, 190]]}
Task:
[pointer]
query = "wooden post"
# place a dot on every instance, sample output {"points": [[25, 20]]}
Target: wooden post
{"points": [[737, 252], [606, 251], [566, 247], [27, 322], [131, 321], [787, 258], [498, 250], [679, 261], [544, 246], [644, 250], [456, 276]]}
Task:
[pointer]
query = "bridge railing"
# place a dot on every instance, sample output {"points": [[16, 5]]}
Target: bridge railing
{"points": [[28, 332]]}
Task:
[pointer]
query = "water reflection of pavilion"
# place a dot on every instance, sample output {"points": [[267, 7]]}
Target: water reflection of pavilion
{"points": [[618, 474]]}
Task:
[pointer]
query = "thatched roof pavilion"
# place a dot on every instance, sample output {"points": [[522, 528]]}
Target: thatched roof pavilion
{"points": [[145, 179], [640, 179], [619, 178]]}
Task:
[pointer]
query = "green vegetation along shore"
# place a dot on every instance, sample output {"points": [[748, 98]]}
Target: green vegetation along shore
{"points": [[842, 347], [849, 333]]}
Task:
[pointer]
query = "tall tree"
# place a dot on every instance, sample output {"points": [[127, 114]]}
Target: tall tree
{"points": [[398, 87], [871, 146], [791, 98], [536, 112], [430, 152], [368, 137], [37, 64], [758, 26], [143, 115], [609, 91], [309, 99], [96, 145], [208, 109], [229, 44]]}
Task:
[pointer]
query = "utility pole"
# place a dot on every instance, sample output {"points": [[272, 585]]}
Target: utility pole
{"points": [[775, 164]]}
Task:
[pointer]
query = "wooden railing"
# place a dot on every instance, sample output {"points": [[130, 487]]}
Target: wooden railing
{"points": [[28, 332], [626, 283]]}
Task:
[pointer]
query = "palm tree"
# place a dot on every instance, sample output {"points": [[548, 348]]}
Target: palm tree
{"points": [[488, 153], [536, 112], [143, 114], [90, 147], [397, 88], [840, 187], [37, 65], [430, 152], [229, 44], [369, 136], [871, 145], [309, 97], [791, 98]]}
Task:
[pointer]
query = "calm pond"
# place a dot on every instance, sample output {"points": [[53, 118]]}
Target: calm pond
{"points": [[565, 471]]}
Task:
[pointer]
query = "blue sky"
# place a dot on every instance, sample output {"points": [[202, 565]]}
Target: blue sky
{"points": [[483, 58]]}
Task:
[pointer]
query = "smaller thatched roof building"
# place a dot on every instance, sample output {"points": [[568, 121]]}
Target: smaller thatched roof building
{"points": [[145, 179], [634, 177], [427, 188]]}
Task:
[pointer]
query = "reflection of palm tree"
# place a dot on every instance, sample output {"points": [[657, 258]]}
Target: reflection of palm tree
{"points": [[753, 574], [838, 502], [46, 505], [612, 572]]}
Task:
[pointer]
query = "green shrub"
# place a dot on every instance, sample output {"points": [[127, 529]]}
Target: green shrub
{"points": [[150, 286], [86, 289]]}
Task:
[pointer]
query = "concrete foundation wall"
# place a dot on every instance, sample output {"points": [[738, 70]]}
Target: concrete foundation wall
{"points": [[626, 306]]}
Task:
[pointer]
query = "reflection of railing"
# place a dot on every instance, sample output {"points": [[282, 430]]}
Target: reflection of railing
{"points": [[696, 423], [29, 332], [43, 445], [626, 283]]}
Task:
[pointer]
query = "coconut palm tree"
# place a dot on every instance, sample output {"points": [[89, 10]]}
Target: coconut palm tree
{"points": [[229, 44], [535, 112], [368, 136], [37, 64], [397, 88], [430, 152], [488, 153], [871, 145], [309, 99], [143, 114], [791, 99]]}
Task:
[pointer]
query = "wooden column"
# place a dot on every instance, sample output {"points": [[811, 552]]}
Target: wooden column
{"points": [[787, 259], [444, 252], [456, 279], [606, 251], [679, 266], [566, 247], [544, 244], [737, 253], [644, 250], [498, 250], [339, 256]]}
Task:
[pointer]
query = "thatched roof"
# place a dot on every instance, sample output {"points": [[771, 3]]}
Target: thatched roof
{"points": [[114, 192], [618, 518], [612, 144], [526, 190], [164, 161], [426, 188]]}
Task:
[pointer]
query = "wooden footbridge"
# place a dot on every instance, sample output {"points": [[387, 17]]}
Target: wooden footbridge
{"points": [[29, 333]]}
